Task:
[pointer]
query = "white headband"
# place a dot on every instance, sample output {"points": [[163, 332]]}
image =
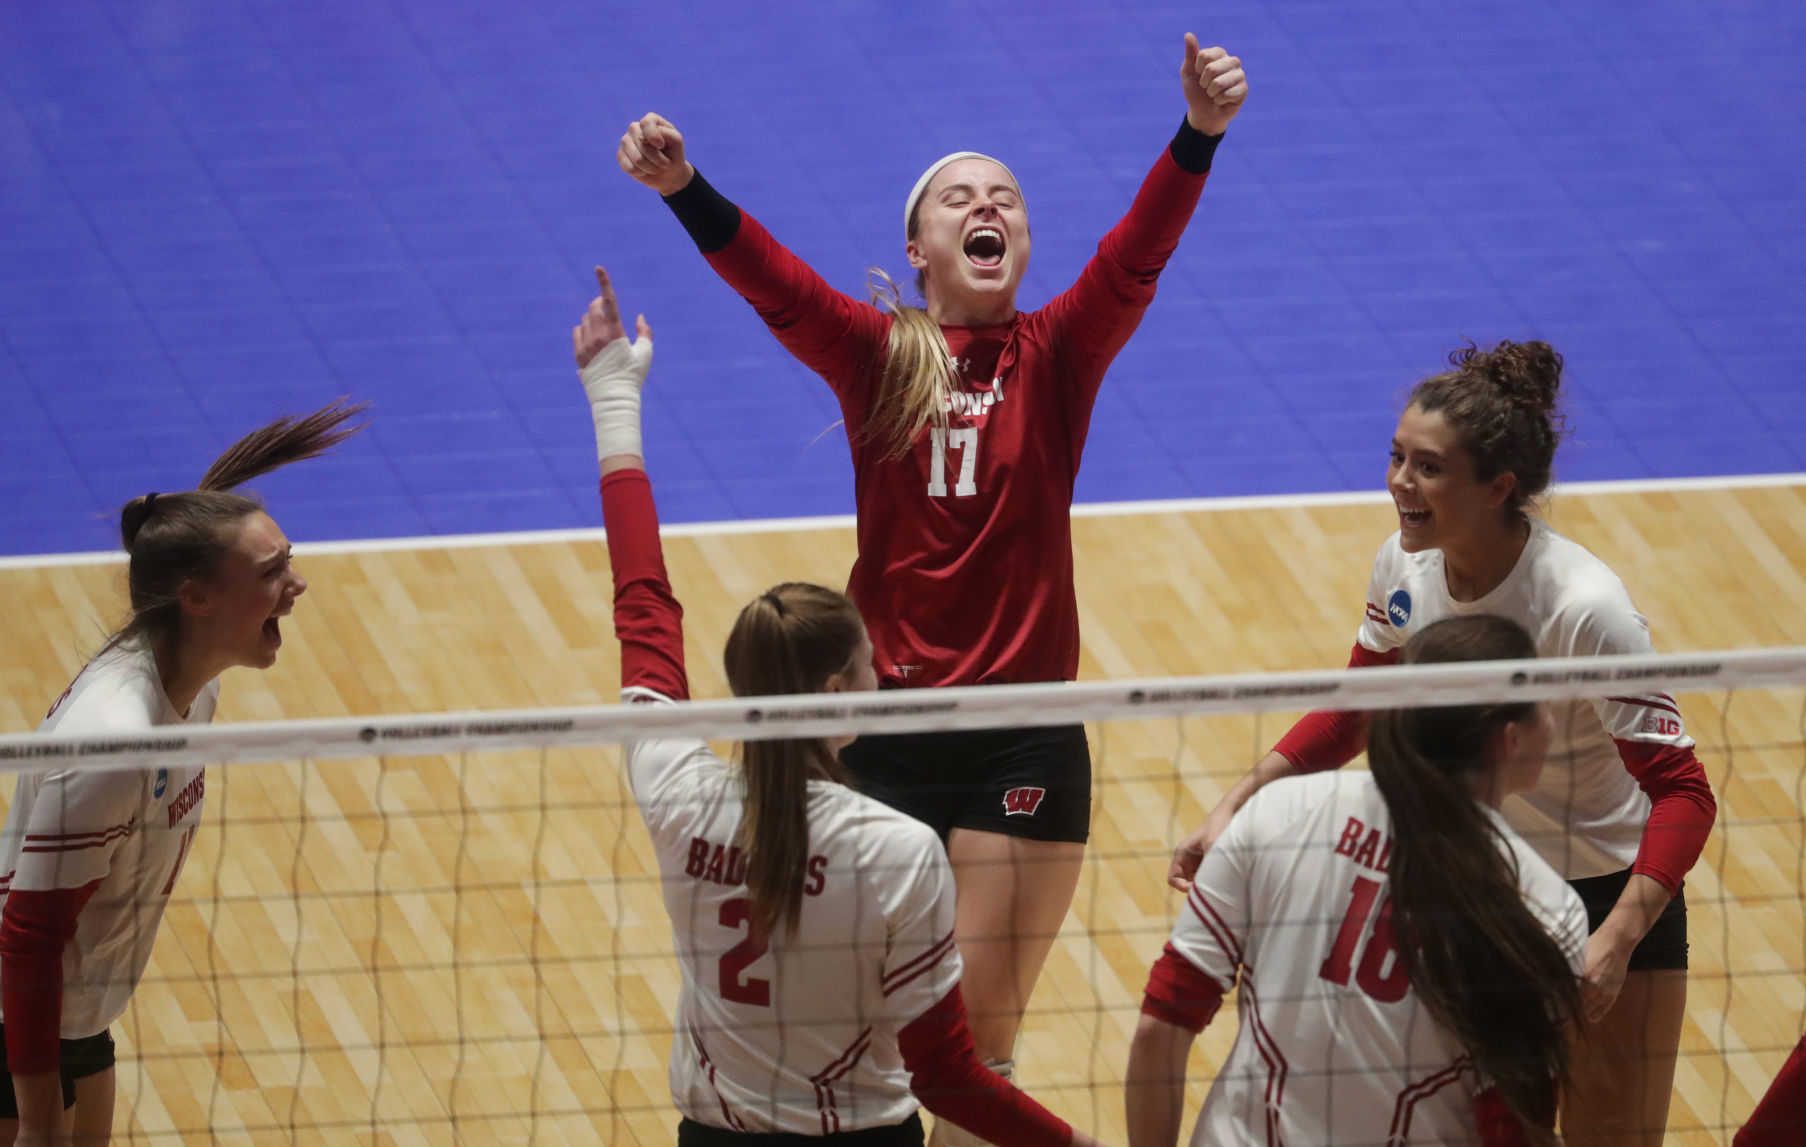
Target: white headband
{"points": [[934, 168]]}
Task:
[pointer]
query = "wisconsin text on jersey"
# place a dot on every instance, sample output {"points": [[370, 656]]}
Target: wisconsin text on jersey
{"points": [[967, 402]]}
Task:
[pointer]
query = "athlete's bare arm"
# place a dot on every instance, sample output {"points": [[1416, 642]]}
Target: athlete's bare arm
{"points": [[1191, 850], [1154, 1089]]}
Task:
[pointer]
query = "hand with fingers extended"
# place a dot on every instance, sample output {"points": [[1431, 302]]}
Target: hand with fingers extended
{"points": [[1214, 84], [652, 152], [612, 370]]}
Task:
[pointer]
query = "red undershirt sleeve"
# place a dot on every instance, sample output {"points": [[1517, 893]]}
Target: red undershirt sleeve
{"points": [[648, 618], [1179, 993], [1330, 738], [1780, 1119], [1681, 813], [1498, 1127], [946, 1075], [34, 929]]}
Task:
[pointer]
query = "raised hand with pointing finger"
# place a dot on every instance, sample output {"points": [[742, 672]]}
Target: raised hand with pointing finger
{"points": [[613, 371]]}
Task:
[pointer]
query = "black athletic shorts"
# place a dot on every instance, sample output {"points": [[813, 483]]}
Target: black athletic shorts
{"points": [[81, 1058], [1030, 783], [1665, 946], [905, 1134]]}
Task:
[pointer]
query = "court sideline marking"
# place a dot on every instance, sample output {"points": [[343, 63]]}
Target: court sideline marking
{"points": [[846, 521]]}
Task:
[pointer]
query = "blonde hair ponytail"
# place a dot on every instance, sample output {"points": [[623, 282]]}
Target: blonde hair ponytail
{"points": [[919, 373]]}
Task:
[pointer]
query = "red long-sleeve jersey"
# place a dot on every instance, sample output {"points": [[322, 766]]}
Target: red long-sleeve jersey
{"points": [[964, 573]]}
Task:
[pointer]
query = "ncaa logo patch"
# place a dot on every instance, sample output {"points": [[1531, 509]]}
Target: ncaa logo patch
{"points": [[1398, 609], [161, 784], [1023, 801]]}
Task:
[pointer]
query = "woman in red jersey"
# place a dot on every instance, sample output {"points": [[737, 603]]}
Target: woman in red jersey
{"points": [[813, 925], [967, 419], [1624, 808], [88, 858]]}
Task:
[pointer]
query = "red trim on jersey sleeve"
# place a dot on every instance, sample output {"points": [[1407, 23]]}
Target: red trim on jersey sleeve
{"points": [[1780, 1119], [1681, 813], [1180, 994], [1498, 1127], [648, 620], [946, 1075], [34, 928], [911, 970], [1330, 738]]}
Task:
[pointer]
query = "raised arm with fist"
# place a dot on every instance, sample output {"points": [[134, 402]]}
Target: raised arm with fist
{"points": [[652, 152], [966, 418]]}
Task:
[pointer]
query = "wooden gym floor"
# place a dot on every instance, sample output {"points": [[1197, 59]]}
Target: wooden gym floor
{"points": [[474, 948]]}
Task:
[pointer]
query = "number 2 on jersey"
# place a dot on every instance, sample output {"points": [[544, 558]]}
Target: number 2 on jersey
{"points": [[1388, 986], [735, 960], [964, 440]]}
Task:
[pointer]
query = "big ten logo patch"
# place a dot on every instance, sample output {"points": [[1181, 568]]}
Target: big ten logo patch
{"points": [[1398, 609], [1022, 801]]}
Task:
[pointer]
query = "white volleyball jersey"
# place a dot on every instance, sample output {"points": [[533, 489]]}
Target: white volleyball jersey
{"points": [[1587, 814], [1334, 1046], [129, 830], [798, 1034]]}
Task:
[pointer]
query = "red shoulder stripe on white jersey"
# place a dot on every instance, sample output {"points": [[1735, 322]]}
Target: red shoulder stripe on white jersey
{"points": [[78, 835], [1416, 1093], [1214, 923], [1274, 1058], [909, 971], [1653, 701], [76, 842], [1376, 612], [708, 1068], [825, 1079]]}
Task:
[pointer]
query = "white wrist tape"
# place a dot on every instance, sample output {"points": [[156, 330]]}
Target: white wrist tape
{"points": [[613, 380]]}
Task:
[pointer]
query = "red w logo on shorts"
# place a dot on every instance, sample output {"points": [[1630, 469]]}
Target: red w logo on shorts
{"points": [[1022, 802]]}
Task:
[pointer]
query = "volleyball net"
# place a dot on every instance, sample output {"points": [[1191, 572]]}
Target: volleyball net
{"points": [[449, 928]]}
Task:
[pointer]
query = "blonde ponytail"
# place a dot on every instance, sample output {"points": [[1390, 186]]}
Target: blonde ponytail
{"points": [[916, 390]]}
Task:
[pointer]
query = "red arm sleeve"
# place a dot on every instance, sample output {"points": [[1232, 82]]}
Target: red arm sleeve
{"points": [[946, 1075], [1780, 1119], [649, 622], [1498, 1127], [1180, 994], [1330, 738], [1098, 313], [34, 929], [1681, 813], [836, 337]]}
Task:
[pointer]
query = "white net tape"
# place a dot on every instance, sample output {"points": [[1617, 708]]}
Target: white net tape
{"points": [[824, 715]]}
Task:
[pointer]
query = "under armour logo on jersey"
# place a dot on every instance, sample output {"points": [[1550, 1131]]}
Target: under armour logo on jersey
{"points": [[1398, 608], [1023, 801]]}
